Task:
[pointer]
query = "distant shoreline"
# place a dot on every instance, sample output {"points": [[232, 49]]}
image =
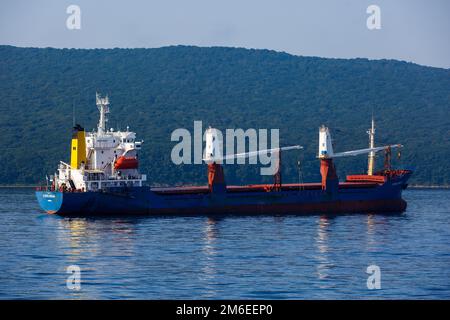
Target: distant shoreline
{"points": [[18, 186], [418, 186]]}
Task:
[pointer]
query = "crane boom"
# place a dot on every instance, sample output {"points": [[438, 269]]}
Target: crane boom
{"points": [[364, 151], [326, 147], [252, 153]]}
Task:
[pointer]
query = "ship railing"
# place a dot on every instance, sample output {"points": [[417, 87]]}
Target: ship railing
{"points": [[95, 177], [46, 188], [64, 165], [142, 177], [115, 180], [101, 184]]}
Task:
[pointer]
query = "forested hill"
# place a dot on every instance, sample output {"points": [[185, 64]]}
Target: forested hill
{"points": [[155, 91]]}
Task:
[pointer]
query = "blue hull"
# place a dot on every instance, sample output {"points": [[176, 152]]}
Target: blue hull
{"points": [[386, 197]]}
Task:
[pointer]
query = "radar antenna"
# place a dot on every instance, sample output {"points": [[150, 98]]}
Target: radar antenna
{"points": [[103, 107]]}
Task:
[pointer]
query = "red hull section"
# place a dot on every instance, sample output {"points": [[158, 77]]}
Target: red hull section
{"points": [[364, 177]]}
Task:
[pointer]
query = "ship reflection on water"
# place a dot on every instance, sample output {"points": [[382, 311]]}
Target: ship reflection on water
{"points": [[111, 250], [323, 263], [260, 257], [209, 257], [92, 244], [84, 237], [208, 275]]}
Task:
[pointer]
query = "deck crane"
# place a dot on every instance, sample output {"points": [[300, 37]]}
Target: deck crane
{"points": [[326, 155], [213, 158]]}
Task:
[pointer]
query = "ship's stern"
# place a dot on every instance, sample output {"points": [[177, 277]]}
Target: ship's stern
{"points": [[50, 201]]}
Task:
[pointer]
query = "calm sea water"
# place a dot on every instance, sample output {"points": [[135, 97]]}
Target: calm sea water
{"points": [[266, 257]]}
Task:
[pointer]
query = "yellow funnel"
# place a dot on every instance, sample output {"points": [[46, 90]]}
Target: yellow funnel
{"points": [[78, 150]]}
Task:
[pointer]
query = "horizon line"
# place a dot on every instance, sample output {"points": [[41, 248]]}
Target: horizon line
{"points": [[224, 47]]}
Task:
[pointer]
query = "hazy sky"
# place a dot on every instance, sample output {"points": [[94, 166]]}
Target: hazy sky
{"points": [[411, 30]]}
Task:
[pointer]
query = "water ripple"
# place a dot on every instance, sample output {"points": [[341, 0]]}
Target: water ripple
{"points": [[266, 257]]}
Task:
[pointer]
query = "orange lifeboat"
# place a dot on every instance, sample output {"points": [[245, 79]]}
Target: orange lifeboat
{"points": [[126, 163]]}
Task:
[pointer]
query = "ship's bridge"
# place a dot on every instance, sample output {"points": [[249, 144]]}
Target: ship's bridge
{"points": [[104, 148]]}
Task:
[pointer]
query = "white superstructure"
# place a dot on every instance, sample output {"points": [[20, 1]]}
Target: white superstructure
{"points": [[100, 159]]}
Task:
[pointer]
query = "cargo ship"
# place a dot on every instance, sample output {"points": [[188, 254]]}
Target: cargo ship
{"points": [[103, 178]]}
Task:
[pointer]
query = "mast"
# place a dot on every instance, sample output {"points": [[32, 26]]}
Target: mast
{"points": [[103, 107], [371, 161]]}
